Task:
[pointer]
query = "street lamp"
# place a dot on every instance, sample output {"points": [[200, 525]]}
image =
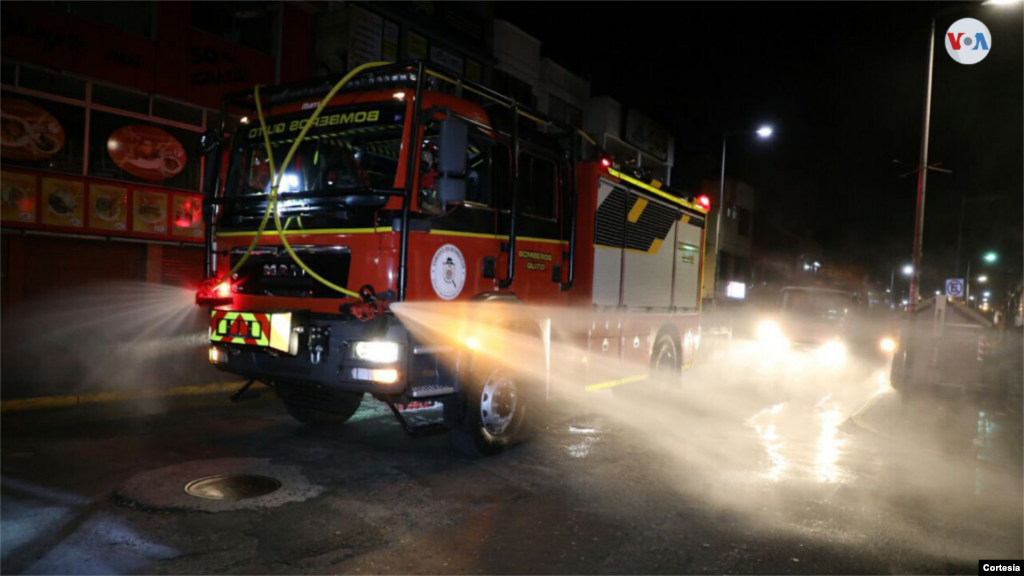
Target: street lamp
{"points": [[989, 257], [922, 173], [907, 271], [960, 233], [764, 132]]}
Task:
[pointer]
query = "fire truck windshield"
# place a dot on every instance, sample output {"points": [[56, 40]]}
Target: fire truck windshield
{"points": [[351, 150]]}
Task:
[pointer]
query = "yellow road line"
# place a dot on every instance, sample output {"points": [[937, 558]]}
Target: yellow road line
{"points": [[48, 402], [612, 383]]}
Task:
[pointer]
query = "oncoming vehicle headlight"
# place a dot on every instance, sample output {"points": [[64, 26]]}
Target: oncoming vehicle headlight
{"points": [[378, 352], [769, 332], [888, 345], [833, 351]]}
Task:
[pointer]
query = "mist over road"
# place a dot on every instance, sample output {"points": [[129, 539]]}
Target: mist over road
{"points": [[728, 475]]}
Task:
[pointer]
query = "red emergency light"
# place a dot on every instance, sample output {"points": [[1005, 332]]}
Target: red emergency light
{"points": [[704, 201], [214, 293], [606, 162]]}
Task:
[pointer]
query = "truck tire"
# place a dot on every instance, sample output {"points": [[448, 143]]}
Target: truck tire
{"points": [[666, 365], [346, 405], [486, 417]]}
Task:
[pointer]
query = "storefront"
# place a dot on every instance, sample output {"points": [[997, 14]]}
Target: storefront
{"points": [[91, 177], [453, 37], [102, 107]]}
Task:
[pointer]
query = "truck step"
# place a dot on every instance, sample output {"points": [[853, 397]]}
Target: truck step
{"points": [[417, 430], [428, 391]]}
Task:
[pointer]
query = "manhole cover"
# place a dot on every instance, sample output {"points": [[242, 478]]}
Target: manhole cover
{"points": [[232, 487]]}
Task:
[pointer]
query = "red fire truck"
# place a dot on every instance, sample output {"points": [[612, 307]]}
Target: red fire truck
{"points": [[409, 185]]}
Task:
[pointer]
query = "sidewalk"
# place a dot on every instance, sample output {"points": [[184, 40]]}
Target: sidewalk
{"points": [[990, 430]]}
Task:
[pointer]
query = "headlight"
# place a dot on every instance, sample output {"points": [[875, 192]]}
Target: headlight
{"points": [[769, 331], [380, 376], [834, 351], [888, 345], [379, 352], [771, 337], [218, 355]]}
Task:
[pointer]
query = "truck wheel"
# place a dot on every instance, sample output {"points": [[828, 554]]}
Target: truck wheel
{"points": [[487, 417], [345, 406], [665, 362]]}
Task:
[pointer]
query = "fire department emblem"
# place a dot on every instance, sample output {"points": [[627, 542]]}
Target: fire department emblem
{"points": [[448, 272]]}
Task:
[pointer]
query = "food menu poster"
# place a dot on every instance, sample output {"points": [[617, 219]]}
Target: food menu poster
{"points": [[146, 152], [18, 197], [108, 207], [149, 211], [85, 205], [63, 202], [27, 132], [187, 216]]}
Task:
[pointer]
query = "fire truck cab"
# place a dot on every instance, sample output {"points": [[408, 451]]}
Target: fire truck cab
{"points": [[406, 186]]}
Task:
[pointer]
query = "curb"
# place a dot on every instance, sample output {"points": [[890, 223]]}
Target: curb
{"points": [[49, 402], [859, 422]]}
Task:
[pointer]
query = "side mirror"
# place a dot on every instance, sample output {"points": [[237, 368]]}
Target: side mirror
{"points": [[451, 191], [208, 141], [451, 161]]}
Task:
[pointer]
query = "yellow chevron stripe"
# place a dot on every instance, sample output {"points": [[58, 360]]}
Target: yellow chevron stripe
{"points": [[637, 210]]}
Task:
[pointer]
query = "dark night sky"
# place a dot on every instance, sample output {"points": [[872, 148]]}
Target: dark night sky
{"points": [[844, 85]]}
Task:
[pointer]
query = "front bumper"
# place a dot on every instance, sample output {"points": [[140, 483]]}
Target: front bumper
{"points": [[421, 370]]}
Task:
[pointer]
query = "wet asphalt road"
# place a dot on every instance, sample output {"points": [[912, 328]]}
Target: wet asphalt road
{"points": [[749, 478]]}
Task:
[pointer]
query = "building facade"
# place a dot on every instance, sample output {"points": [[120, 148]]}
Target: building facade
{"points": [[737, 221], [103, 105], [628, 135], [454, 37], [102, 108]]}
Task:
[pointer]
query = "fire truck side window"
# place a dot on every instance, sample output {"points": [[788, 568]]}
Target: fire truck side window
{"points": [[539, 177]]}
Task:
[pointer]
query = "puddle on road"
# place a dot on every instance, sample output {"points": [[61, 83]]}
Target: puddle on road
{"points": [[767, 432], [583, 440], [802, 442]]}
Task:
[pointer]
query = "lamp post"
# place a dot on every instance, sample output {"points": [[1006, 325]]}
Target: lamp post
{"points": [[989, 258], [763, 132], [960, 234], [922, 172], [907, 270]]}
